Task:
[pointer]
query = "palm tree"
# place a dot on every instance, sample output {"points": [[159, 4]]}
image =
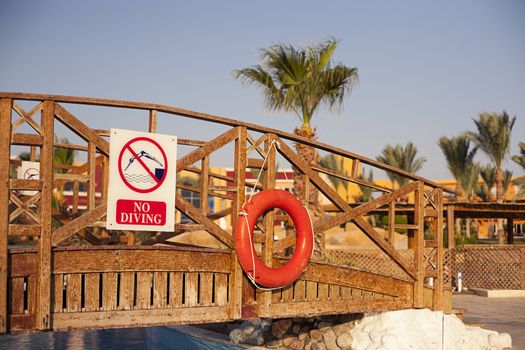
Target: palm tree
{"points": [[300, 80], [331, 162], [520, 160], [493, 139], [460, 159], [403, 158]]}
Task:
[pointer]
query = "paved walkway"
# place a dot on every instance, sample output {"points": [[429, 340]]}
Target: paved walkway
{"points": [[498, 314]]}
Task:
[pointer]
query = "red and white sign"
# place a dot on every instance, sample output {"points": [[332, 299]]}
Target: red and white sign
{"points": [[142, 174], [29, 171]]}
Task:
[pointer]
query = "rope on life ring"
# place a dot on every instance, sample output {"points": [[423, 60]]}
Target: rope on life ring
{"points": [[251, 264]]}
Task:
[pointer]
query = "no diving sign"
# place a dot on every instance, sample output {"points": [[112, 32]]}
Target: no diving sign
{"points": [[142, 175]]}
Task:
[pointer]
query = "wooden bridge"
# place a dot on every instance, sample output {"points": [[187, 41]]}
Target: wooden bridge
{"points": [[122, 279]]}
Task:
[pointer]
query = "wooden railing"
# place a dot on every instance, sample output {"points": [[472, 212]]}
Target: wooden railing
{"points": [[51, 287]]}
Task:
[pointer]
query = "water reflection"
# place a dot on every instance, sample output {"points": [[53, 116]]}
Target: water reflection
{"points": [[158, 338]]}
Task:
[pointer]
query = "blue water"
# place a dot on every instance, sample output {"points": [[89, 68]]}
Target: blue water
{"points": [[158, 338]]}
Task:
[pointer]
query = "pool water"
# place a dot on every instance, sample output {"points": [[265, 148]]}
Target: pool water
{"points": [[158, 338]]}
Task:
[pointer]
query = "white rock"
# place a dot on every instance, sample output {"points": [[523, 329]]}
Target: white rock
{"points": [[422, 329]]}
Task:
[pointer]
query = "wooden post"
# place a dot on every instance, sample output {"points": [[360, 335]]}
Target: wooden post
{"points": [[44, 243], [419, 212], [264, 298], [450, 227], [391, 222], [205, 178], [239, 179], [152, 127], [510, 231], [5, 146], [438, 282], [92, 170]]}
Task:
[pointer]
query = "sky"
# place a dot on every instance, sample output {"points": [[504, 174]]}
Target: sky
{"points": [[426, 68]]}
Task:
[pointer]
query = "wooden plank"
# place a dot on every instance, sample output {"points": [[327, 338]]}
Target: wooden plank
{"points": [[450, 227], [175, 289], [92, 292], [255, 145], [69, 229], [239, 180], [333, 196], [391, 221], [109, 291], [143, 290], [23, 184], [26, 139], [334, 291], [191, 293], [221, 289], [126, 290], [346, 293], [300, 290], [352, 179], [58, 293], [91, 175], [152, 317], [206, 149], [329, 307], [439, 281], [277, 295], [350, 213], [204, 181], [419, 247], [206, 288], [311, 291], [61, 178], [349, 277], [24, 230], [27, 117], [323, 291], [282, 244], [16, 300], [44, 243], [115, 260], [23, 264], [264, 298], [81, 129], [220, 120], [287, 294], [152, 125], [160, 289], [73, 292], [5, 151], [196, 215]]}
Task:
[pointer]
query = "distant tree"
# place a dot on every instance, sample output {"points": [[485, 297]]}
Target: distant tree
{"points": [[331, 161], [488, 176], [520, 160], [403, 158], [493, 138], [460, 158]]}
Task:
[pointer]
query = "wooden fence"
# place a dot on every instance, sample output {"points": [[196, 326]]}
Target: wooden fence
{"points": [[48, 286], [490, 267]]}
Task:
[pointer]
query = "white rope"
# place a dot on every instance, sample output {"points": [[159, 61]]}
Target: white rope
{"points": [[245, 215]]}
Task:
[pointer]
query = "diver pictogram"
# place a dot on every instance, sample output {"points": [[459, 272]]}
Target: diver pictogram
{"points": [[142, 165]]}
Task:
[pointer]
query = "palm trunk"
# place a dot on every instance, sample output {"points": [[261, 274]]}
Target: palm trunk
{"points": [[307, 193], [499, 186]]}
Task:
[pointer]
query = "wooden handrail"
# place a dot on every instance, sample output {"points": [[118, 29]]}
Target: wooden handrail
{"points": [[219, 120]]}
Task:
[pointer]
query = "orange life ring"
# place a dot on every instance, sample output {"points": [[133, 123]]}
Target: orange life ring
{"points": [[251, 264]]}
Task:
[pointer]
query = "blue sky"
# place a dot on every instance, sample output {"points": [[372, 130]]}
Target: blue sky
{"points": [[426, 67]]}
